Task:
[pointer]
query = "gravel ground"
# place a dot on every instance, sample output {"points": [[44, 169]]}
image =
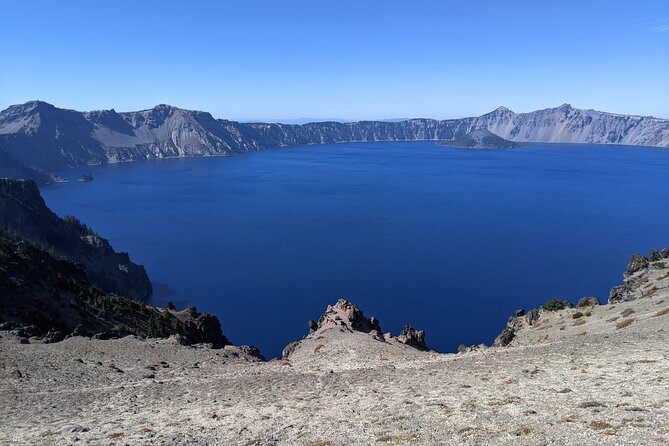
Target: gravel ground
{"points": [[560, 382]]}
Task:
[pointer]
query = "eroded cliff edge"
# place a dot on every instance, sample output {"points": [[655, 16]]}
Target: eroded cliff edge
{"points": [[25, 216]]}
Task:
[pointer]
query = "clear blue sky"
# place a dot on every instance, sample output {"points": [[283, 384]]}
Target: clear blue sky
{"points": [[337, 59]]}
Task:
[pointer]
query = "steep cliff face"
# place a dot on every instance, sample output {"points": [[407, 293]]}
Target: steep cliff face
{"points": [[50, 298], [42, 136], [24, 215], [571, 125]]}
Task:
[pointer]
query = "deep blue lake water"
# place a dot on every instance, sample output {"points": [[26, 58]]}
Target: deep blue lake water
{"points": [[451, 241]]}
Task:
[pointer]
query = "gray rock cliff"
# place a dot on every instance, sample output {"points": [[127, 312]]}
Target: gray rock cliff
{"points": [[39, 135]]}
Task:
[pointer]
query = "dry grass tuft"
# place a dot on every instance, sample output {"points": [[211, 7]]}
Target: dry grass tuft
{"points": [[662, 312], [396, 439], [598, 425], [623, 324], [627, 312]]}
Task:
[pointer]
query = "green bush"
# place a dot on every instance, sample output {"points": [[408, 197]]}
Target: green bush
{"points": [[577, 315], [555, 305]]}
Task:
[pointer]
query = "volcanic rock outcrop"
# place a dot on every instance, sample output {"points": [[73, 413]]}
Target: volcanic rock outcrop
{"points": [[638, 278], [345, 316]]}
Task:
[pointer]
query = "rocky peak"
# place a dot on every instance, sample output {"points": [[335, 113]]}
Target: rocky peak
{"points": [[412, 337], [502, 110], [348, 315], [345, 316], [566, 108]]}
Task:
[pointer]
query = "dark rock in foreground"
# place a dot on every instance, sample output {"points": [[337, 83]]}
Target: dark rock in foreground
{"points": [[25, 216], [49, 298]]}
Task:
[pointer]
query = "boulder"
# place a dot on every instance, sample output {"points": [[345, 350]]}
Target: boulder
{"points": [[413, 338], [252, 351], [505, 337], [532, 316], [201, 328]]}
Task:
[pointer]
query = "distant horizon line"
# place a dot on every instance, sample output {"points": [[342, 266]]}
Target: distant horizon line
{"points": [[306, 120]]}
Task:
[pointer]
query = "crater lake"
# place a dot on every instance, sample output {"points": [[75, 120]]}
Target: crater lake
{"points": [[451, 241]]}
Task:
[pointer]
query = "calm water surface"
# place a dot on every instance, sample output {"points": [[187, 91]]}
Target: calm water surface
{"points": [[448, 240]]}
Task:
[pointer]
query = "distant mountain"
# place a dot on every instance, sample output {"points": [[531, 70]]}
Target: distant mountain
{"points": [[481, 139], [39, 135]]}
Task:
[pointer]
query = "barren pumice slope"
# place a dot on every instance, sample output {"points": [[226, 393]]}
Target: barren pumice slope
{"points": [[601, 378]]}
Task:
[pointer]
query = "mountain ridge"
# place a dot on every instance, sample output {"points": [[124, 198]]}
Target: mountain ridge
{"points": [[41, 136]]}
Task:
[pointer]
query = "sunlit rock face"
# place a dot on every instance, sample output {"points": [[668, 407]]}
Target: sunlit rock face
{"points": [[39, 135]]}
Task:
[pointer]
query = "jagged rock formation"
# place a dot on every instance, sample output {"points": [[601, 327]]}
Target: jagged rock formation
{"points": [[42, 136], [513, 325], [41, 296], [643, 277], [481, 139], [345, 316], [24, 215]]}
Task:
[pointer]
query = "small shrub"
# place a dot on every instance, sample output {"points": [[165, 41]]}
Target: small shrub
{"points": [[555, 304], [577, 315]]}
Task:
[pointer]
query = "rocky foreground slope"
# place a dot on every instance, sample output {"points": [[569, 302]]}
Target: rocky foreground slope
{"points": [[39, 135], [590, 375]]}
